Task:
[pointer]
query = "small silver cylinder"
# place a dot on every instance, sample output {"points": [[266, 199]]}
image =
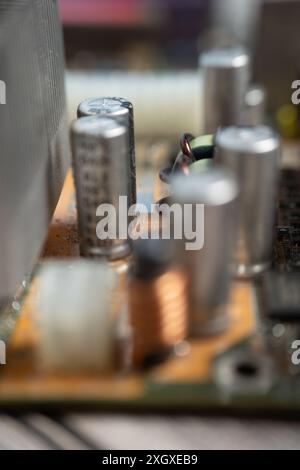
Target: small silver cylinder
{"points": [[208, 268], [100, 147], [236, 21], [252, 153], [121, 110], [226, 75], [255, 104]]}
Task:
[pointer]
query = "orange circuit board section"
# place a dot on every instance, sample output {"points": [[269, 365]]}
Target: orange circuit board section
{"points": [[22, 382]]}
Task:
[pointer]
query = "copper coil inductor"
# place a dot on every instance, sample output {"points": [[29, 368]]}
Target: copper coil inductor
{"points": [[158, 304]]}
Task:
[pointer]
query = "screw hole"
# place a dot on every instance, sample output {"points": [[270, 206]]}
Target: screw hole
{"points": [[247, 369]]}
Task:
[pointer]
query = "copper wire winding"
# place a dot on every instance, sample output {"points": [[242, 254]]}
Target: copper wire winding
{"points": [[159, 314]]}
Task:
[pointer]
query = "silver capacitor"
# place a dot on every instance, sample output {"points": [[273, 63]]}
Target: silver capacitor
{"points": [[122, 110], [208, 269], [252, 153], [236, 20], [226, 75], [100, 148]]}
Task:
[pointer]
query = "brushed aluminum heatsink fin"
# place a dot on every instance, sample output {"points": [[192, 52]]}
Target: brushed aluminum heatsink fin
{"points": [[34, 153]]}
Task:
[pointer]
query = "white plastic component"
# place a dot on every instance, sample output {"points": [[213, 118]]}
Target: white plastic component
{"points": [[165, 104], [78, 324]]}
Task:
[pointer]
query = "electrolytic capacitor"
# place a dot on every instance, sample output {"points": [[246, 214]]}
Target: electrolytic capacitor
{"points": [[226, 77], [236, 20], [100, 150], [208, 268], [122, 110], [252, 153]]}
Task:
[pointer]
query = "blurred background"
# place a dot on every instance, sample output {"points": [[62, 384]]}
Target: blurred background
{"points": [[121, 39]]}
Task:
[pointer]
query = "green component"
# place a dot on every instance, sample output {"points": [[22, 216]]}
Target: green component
{"points": [[202, 141], [201, 165], [203, 147]]}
